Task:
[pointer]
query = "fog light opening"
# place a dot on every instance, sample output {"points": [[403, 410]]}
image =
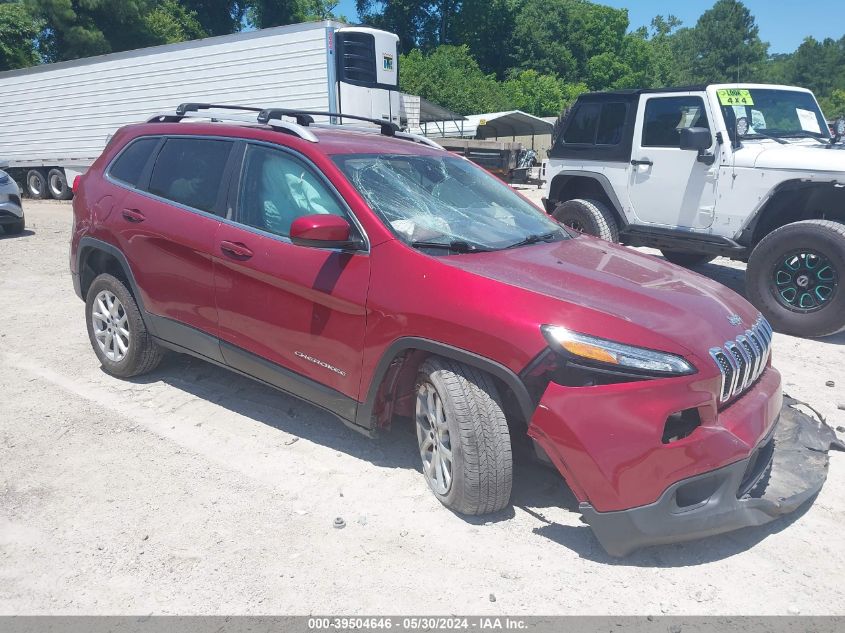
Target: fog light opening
{"points": [[680, 425], [696, 492]]}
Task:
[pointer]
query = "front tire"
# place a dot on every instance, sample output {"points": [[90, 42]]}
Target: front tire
{"points": [[463, 437], [588, 216], [116, 329], [795, 275], [15, 228], [687, 260]]}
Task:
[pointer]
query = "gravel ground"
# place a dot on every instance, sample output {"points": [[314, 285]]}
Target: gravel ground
{"points": [[195, 491]]}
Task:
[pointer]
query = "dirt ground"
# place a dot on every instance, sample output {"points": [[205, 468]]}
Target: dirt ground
{"points": [[195, 491]]}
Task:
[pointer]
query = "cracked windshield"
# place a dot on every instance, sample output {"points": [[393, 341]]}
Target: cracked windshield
{"points": [[446, 204]]}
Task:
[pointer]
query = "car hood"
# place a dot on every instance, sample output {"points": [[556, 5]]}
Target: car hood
{"points": [[641, 293], [801, 156]]}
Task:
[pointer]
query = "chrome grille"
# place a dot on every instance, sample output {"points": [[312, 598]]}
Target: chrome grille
{"points": [[742, 360]]}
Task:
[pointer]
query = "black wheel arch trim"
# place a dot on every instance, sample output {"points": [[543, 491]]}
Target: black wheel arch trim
{"points": [[510, 379], [603, 182], [90, 243]]}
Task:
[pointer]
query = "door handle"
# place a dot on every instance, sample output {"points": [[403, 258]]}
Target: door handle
{"points": [[235, 249], [642, 162], [133, 215]]}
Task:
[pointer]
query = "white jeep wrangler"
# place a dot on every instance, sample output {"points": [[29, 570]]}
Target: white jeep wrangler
{"points": [[744, 171]]}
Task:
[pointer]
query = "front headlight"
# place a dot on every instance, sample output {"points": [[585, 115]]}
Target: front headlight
{"points": [[600, 352]]}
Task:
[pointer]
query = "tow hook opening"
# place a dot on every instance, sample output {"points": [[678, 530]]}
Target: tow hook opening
{"points": [[680, 425]]}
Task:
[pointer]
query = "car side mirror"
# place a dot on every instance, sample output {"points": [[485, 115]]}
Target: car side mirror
{"points": [[700, 140], [322, 231]]}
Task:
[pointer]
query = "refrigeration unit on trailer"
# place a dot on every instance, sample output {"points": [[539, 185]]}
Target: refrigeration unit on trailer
{"points": [[55, 119]]}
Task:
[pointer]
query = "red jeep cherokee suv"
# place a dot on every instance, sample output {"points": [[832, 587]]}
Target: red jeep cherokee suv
{"points": [[374, 274]]}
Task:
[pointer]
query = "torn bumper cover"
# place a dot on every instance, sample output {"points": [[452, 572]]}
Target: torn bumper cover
{"points": [[786, 470]]}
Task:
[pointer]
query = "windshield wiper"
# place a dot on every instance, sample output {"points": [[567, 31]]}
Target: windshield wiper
{"points": [[771, 138], [533, 239], [456, 246], [806, 134]]}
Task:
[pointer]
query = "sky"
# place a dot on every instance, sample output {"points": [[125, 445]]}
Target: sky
{"points": [[783, 23]]}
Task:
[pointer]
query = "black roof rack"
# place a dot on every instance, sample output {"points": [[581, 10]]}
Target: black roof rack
{"points": [[306, 118]]}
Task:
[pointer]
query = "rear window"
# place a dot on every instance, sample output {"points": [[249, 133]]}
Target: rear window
{"points": [[190, 171], [611, 124], [130, 164], [582, 127]]}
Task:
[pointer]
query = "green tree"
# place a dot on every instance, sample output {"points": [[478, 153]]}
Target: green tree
{"points": [[833, 105], [724, 46], [486, 27], [266, 13], [449, 76], [18, 32], [218, 17], [171, 22], [540, 95], [561, 36]]}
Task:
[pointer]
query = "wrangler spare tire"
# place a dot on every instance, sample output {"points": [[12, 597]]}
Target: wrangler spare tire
{"points": [[588, 216]]}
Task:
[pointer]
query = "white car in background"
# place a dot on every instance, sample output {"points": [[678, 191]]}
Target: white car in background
{"points": [[11, 209]]}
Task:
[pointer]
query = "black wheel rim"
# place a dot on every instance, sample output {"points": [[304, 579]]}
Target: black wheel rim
{"points": [[805, 281]]}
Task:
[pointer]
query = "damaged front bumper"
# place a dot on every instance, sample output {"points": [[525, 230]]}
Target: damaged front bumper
{"points": [[786, 470]]}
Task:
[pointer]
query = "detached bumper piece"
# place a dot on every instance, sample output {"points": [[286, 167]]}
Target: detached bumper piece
{"points": [[785, 471]]}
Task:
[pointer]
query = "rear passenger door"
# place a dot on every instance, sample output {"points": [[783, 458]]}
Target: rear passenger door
{"points": [[166, 227], [300, 308]]}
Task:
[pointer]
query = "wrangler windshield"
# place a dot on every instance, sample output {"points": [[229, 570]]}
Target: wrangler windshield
{"points": [[772, 113], [445, 203]]}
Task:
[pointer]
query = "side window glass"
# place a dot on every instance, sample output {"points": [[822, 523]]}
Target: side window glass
{"points": [[666, 117], [611, 124], [190, 171], [131, 162], [277, 188], [582, 127]]}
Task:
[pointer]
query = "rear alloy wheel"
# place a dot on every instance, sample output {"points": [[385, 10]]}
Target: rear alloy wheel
{"points": [[57, 184], [795, 275], [588, 216], [687, 260], [36, 184], [463, 437], [116, 329]]}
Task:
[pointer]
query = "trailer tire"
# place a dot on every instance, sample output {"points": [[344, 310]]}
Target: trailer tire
{"points": [[57, 184], [36, 184]]}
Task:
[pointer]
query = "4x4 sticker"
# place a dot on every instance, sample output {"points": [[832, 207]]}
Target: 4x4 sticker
{"points": [[321, 363], [735, 96]]}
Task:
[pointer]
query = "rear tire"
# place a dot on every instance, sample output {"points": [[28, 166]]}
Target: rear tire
{"points": [[57, 184], [687, 260], [36, 184], [588, 216], [117, 331], [795, 277], [463, 437]]}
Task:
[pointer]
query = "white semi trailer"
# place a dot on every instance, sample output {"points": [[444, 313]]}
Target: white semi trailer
{"points": [[55, 119]]}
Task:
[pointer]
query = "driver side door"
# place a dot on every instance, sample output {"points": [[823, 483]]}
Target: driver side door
{"points": [[290, 315], [667, 186]]}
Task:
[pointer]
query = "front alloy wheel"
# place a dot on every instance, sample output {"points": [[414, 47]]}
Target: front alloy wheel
{"points": [[434, 441], [805, 280], [794, 276], [463, 437]]}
